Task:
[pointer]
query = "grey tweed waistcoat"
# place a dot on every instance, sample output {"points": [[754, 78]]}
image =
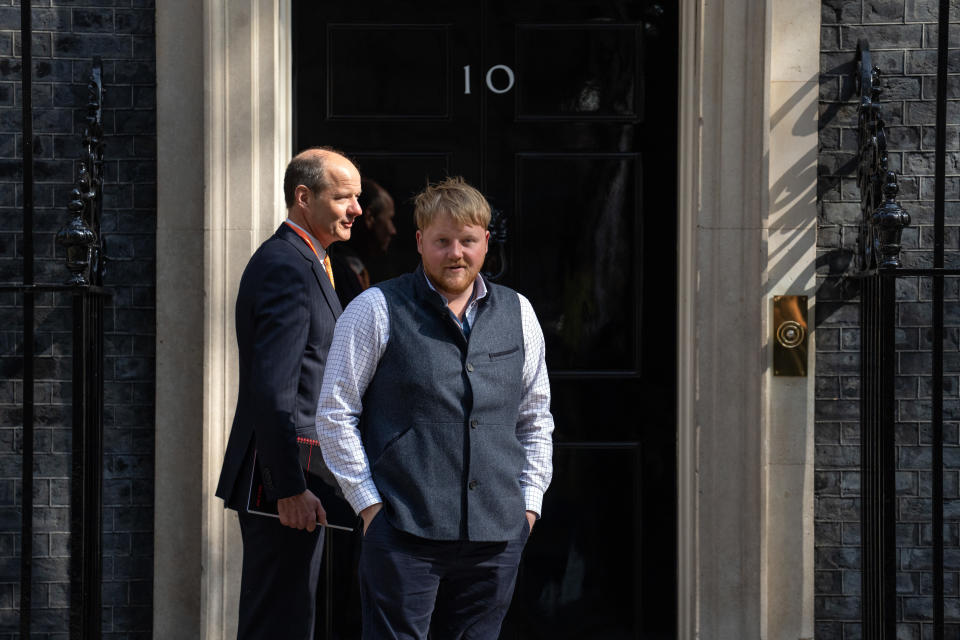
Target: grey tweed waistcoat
{"points": [[440, 415]]}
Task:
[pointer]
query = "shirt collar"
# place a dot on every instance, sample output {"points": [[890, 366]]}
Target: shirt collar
{"points": [[321, 252]]}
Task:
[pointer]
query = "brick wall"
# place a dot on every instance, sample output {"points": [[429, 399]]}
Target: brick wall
{"points": [[67, 34], [902, 36]]}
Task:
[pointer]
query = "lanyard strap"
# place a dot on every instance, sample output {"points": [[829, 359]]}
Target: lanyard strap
{"points": [[300, 232], [326, 257]]}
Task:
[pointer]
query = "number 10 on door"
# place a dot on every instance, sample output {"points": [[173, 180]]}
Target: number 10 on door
{"points": [[504, 70]]}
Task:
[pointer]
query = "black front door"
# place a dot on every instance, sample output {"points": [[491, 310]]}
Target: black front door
{"points": [[563, 113]]}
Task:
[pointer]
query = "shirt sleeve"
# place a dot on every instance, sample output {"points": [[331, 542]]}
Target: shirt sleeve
{"points": [[535, 422], [359, 340]]}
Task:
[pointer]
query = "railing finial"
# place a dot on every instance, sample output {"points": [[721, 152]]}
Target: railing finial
{"points": [[882, 218], [81, 234]]}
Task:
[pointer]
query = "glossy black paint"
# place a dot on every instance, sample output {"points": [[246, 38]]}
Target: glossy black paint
{"points": [[574, 139]]}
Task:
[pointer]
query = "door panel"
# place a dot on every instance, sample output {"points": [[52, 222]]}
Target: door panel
{"points": [[563, 112], [563, 590], [409, 79], [578, 71], [584, 286]]}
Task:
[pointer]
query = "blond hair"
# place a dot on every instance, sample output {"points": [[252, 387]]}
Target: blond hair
{"points": [[453, 197]]}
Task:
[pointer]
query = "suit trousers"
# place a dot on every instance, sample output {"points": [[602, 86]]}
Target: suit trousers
{"points": [[278, 587], [453, 590]]}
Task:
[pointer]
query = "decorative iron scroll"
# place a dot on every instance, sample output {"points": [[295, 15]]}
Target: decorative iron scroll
{"points": [[498, 238], [882, 218], [81, 234]]}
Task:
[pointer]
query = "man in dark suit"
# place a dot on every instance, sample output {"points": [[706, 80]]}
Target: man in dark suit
{"points": [[286, 311]]}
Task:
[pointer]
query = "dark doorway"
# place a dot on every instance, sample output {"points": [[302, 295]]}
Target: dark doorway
{"points": [[564, 113]]}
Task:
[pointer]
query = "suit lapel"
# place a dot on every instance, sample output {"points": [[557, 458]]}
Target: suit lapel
{"points": [[321, 274], [288, 234]]}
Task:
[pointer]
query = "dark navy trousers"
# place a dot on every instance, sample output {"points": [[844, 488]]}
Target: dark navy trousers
{"points": [[278, 588], [453, 590]]}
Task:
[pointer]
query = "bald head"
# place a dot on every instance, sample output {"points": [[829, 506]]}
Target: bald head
{"points": [[309, 168]]}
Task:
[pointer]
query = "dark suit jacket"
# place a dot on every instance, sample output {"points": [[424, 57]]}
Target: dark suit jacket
{"points": [[286, 311]]}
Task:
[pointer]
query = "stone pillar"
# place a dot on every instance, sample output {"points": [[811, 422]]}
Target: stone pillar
{"points": [[729, 302], [724, 430], [224, 140], [747, 231], [178, 503]]}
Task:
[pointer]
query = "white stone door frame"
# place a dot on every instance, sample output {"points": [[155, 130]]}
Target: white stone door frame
{"points": [[224, 113], [746, 232], [224, 110]]}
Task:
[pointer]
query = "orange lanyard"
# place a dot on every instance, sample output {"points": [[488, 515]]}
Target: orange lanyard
{"points": [[306, 239], [326, 258]]}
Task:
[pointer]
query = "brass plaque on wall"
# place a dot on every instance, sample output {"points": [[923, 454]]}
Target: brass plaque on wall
{"points": [[790, 335]]}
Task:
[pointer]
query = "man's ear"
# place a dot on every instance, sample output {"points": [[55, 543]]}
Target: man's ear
{"points": [[419, 242], [302, 195]]}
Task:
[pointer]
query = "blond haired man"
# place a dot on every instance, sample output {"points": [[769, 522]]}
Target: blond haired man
{"points": [[448, 372]]}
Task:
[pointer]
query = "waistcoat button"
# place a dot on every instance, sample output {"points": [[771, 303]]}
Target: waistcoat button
{"points": [[469, 368], [473, 485], [473, 424]]}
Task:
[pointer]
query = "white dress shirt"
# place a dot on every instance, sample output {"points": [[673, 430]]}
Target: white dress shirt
{"points": [[359, 340]]}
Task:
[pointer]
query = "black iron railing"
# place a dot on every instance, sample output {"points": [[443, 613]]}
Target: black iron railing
{"points": [[85, 262], [878, 257], [880, 268]]}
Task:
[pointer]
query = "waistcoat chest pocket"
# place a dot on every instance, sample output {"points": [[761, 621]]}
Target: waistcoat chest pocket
{"points": [[498, 355]]}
